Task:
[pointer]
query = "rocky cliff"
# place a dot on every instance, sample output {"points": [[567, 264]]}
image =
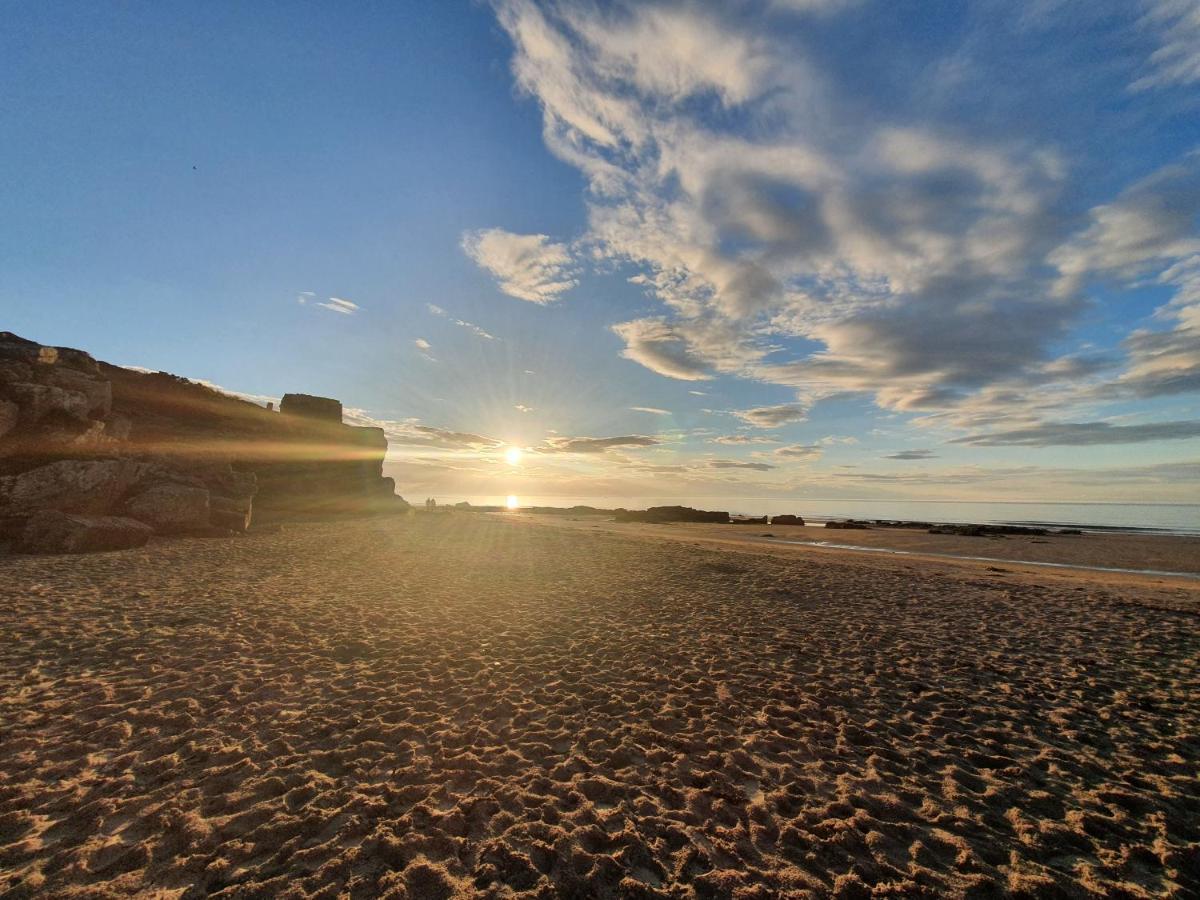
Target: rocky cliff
{"points": [[82, 440]]}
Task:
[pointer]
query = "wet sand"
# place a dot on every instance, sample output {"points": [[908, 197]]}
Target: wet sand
{"points": [[464, 705]]}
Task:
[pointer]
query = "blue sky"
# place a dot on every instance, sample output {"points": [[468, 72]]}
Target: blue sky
{"points": [[759, 248]]}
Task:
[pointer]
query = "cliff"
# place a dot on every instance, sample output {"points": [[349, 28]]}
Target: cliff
{"points": [[84, 438]]}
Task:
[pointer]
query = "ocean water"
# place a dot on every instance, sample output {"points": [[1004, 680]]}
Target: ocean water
{"points": [[1174, 518]]}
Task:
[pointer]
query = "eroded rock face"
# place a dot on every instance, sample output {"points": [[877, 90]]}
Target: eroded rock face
{"points": [[170, 508], [10, 413], [70, 485], [51, 531]]}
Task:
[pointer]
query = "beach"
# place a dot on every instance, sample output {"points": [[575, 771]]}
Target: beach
{"points": [[452, 705]]}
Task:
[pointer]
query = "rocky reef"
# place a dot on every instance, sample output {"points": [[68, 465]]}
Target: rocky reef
{"points": [[98, 457], [661, 514]]}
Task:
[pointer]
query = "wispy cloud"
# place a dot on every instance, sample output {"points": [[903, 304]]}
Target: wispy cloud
{"points": [[739, 464], [653, 410], [425, 348], [338, 305], [526, 266], [1081, 434], [739, 439], [773, 416], [594, 445], [912, 454], [436, 310], [800, 451], [1176, 27]]}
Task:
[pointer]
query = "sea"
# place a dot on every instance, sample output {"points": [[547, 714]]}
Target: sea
{"points": [[1162, 518]]}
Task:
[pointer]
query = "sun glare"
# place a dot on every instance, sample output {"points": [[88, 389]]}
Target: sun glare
{"points": [[512, 502], [513, 455]]}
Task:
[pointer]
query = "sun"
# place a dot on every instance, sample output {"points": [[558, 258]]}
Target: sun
{"points": [[513, 455], [512, 502]]}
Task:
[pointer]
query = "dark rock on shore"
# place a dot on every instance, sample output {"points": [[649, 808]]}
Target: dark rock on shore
{"points": [[787, 520], [748, 520], [985, 530], [849, 524], [51, 531], [661, 514]]}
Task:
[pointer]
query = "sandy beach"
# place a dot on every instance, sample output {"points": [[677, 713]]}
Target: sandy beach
{"points": [[442, 705]]}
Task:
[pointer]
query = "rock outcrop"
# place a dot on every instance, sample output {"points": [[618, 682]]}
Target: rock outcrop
{"points": [[848, 525], [787, 519], [103, 445], [660, 514], [748, 520]]}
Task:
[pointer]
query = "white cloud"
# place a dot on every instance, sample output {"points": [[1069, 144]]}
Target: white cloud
{"points": [[338, 305], [654, 410], [425, 348], [759, 204], [526, 266]]}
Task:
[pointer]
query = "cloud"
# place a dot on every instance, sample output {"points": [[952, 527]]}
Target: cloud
{"points": [[470, 326], [593, 445], [338, 305], [662, 349], [800, 451], [912, 454], [521, 407], [526, 266], [411, 433], [653, 410], [909, 260], [1176, 60], [424, 348], [1080, 434], [773, 416], [304, 296], [785, 232], [739, 464]]}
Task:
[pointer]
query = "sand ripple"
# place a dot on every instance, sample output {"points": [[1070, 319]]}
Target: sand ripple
{"points": [[459, 706]]}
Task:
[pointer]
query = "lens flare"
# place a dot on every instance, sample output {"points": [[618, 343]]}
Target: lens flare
{"points": [[513, 455]]}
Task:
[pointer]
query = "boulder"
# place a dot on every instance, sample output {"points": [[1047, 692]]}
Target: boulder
{"points": [[787, 520], [40, 401], [51, 531], [70, 485], [170, 507], [749, 520], [324, 408], [232, 513]]}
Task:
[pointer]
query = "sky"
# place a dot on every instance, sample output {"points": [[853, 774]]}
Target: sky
{"points": [[746, 249]]}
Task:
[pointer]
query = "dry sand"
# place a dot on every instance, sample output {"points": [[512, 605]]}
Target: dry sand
{"points": [[472, 705]]}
